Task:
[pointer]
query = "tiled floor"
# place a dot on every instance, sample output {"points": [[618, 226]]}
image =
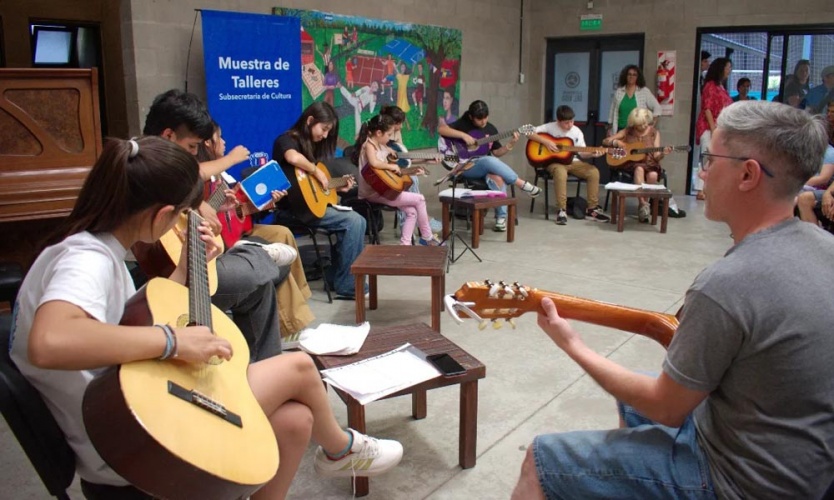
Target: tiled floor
{"points": [[531, 386]]}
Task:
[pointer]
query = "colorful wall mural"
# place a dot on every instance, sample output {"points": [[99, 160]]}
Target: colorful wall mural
{"points": [[359, 65]]}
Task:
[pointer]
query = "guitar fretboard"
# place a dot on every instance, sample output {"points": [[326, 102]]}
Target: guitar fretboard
{"points": [[199, 297], [495, 137], [218, 196], [419, 156], [658, 149]]}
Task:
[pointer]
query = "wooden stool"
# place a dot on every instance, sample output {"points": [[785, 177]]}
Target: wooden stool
{"points": [[383, 339], [478, 206], [656, 197], [400, 260]]}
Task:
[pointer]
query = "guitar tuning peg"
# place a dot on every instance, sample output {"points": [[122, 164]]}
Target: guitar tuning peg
{"points": [[493, 290], [508, 293], [512, 323], [482, 325], [497, 324]]}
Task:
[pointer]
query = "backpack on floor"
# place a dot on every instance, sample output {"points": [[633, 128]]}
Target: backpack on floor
{"points": [[577, 207]]}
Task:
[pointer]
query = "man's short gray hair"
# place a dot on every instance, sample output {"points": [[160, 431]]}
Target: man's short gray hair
{"points": [[789, 142]]}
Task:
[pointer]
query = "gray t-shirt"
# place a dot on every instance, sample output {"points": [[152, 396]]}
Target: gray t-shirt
{"points": [[756, 332]]}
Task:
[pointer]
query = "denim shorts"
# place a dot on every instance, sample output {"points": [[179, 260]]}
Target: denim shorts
{"points": [[644, 460]]}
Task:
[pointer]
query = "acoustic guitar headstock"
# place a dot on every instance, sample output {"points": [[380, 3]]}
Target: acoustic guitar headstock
{"points": [[495, 301], [527, 130]]}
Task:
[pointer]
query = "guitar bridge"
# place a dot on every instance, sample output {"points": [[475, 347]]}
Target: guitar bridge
{"points": [[206, 403]]}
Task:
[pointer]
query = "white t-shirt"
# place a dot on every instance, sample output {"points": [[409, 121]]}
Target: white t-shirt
{"points": [[88, 271], [556, 131]]}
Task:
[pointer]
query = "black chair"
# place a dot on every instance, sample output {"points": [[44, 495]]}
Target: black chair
{"points": [[372, 212], [621, 176], [11, 276], [544, 174], [33, 424], [298, 227]]}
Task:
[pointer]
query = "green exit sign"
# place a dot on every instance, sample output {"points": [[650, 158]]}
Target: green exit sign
{"points": [[591, 22]]}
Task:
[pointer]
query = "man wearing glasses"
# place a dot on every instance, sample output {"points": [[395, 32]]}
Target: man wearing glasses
{"points": [[743, 406]]}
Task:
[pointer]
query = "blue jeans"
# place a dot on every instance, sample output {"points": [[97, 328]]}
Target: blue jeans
{"points": [[492, 165], [349, 228], [645, 460]]}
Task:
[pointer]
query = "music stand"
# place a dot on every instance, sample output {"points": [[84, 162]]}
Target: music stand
{"points": [[454, 174]]}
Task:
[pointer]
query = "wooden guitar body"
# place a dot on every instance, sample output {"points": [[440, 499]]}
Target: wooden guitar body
{"points": [[236, 223], [308, 199], [385, 182], [539, 156], [637, 153], [498, 301], [140, 423]]}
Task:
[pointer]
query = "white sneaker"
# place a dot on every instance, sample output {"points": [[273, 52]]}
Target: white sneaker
{"points": [[500, 225], [281, 253], [643, 213], [368, 457]]}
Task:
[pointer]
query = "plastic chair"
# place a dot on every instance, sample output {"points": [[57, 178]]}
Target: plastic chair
{"points": [[33, 424], [544, 174]]}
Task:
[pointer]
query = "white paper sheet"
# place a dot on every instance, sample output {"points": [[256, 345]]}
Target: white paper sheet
{"points": [[377, 377], [334, 340]]}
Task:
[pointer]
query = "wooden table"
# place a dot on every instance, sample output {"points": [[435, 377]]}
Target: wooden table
{"points": [[400, 260], [384, 339], [656, 197], [478, 207]]}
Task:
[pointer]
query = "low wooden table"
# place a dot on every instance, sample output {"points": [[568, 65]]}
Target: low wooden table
{"points": [[400, 260], [384, 339], [479, 206], [656, 198]]}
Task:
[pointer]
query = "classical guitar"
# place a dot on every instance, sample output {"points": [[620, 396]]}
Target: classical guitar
{"points": [[307, 198], [459, 148], [178, 430], [638, 153], [499, 301], [539, 156], [388, 183], [161, 258]]}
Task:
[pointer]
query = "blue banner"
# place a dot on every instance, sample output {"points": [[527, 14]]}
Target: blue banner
{"points": [[253, 78]]}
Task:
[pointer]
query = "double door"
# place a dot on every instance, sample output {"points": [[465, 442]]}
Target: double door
{"points": [[583, 72]]}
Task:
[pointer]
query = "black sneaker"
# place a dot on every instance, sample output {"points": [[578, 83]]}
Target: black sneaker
{"points": [[677, 214], [562, 218], [596, 215]]}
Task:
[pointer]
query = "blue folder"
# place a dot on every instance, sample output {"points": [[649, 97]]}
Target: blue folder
{"points": [[262, 182]]}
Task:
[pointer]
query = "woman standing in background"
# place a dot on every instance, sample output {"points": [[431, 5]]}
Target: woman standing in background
{"points": [[631, 94]]}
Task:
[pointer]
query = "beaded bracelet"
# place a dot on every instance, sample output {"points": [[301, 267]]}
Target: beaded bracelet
{"points": [[174, 352]]}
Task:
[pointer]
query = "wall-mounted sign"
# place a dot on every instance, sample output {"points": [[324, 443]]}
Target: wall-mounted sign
{"points": [[590, 22]]}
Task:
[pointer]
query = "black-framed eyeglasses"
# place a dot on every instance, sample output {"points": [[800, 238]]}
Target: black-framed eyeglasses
{"points": [[706, 159]]}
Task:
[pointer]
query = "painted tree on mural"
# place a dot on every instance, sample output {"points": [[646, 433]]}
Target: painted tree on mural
{"points": [[440, 44]]}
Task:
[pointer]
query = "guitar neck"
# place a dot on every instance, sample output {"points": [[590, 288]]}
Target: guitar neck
{"points": [[496, 137], [337, 182], [199, 297], [581, 149], [492, 301], [419, 156], [657, 326], [410, 170], [658, 149], [217, 198]]}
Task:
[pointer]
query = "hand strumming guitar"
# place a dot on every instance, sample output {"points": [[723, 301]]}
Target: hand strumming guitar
{"points": [[197, 344], [319, 175]]}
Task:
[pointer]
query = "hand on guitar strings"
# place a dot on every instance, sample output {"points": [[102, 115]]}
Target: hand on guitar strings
{"points": [[231, 202], [319, 175], [209, 214], [197, 344], [350, 183], [555, 326]]}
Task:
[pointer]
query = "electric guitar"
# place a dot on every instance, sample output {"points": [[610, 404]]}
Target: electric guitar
{"points": [[459, 148], [179, 430], [499, 301], [307, 198], [539, 156], [638, 153]]}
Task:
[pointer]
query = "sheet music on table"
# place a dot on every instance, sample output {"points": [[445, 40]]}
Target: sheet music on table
{"points": [[379, 376]]}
